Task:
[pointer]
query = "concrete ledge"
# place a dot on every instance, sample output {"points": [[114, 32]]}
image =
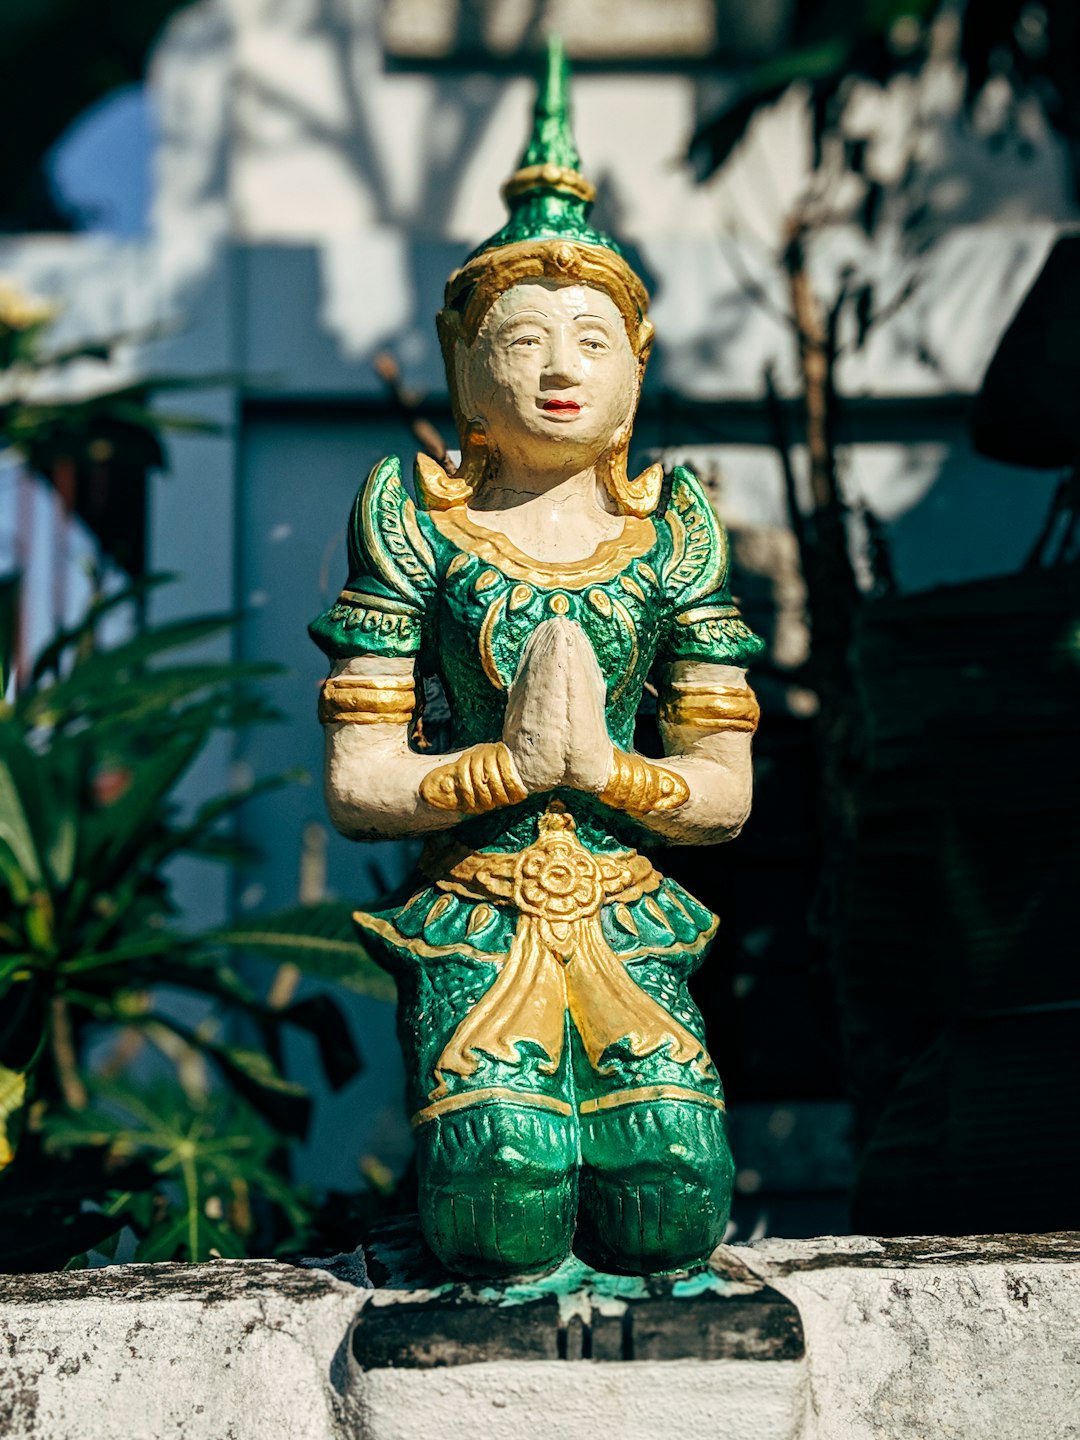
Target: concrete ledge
{"points": [[977, 1339]]}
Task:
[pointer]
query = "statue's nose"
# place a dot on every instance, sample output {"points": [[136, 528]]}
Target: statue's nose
{"points": [[563, 362]]}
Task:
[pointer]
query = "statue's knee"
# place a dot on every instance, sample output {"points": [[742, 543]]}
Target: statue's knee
{"points": [[498, 1188], [656, 1185]]}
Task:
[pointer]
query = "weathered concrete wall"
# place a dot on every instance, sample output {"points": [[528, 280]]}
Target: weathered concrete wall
{"points": [[935, 1339], [905, 1340]]}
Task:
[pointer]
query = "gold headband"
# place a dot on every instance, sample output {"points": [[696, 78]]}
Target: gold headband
{"points": [[472, 290]]}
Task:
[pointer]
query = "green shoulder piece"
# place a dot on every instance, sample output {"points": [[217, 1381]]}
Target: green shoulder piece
{"points": [[391, 574], [698, 561], [705, 621]]}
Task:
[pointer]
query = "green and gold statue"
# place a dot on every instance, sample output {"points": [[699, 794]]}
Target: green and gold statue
{"points": [[559, 1084]]}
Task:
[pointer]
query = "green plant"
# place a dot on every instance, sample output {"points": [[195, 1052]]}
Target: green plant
{"points": [[188, 1123]]}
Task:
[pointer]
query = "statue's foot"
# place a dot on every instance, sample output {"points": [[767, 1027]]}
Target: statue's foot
{"points": [[498, 1188], [655, 1186]]}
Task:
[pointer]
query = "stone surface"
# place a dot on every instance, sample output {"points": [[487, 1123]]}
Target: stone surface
{"points": [[906, 1339], [424, 1318], [971, 1339], [224, 1351]]}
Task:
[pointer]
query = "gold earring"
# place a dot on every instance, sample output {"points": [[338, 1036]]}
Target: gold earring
{"points": [[440, 491]]}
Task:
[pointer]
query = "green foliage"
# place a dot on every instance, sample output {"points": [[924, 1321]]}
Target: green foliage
{"points": [[91, 752]]}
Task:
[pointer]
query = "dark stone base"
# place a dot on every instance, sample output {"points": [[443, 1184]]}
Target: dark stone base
{"points": [[421, 1316]]}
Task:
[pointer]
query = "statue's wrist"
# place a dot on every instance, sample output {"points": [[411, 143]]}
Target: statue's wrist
{"points": [[639, 787], [367, 700], [483, 778]]}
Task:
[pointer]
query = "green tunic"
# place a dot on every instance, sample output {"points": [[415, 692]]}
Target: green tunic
{"points": [[462, 601]]}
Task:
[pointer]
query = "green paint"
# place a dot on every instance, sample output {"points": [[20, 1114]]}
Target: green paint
{"points": [[549, 213], [637, 1183], [576, 1286], [505, 1187], [706, 1282]]}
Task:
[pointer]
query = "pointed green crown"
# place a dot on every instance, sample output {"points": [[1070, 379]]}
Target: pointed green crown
{"points": [[548, 197]]}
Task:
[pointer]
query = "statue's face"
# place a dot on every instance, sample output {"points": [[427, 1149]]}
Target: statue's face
{"points": [[551, 374]]}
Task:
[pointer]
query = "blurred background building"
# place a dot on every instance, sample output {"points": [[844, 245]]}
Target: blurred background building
{"points": [[279, 202]]}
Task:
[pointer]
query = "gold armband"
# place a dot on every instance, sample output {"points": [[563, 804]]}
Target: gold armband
{"points": [[711, 708], [639, 787], [367, 700], [482, 779]]}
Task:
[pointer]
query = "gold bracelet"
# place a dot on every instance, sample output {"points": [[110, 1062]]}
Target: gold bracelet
{"points": [[714, 707], [482, 779], [367, 700], [639, 787]]}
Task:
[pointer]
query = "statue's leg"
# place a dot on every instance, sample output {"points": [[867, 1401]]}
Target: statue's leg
{"points": [[497, 1147], [655, 1182], [656, 1168], [498, 1186]]}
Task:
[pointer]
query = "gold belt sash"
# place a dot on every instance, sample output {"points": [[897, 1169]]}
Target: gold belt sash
{"points": [[559, 960]]}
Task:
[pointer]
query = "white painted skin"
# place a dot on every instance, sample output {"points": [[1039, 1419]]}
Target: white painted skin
{"points": [[542, 342]]}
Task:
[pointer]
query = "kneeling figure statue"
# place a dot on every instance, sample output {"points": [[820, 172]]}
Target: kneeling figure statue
{"points": [[559, 1084]]}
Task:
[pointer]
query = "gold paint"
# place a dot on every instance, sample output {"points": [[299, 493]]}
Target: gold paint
{"points": [[658, 915], [456, 563], [559, 604], [481, 779], [638, 787], [673, 898], [630, 585], [486, 1095], [708, 612], [424, 950], [416, 537], [559, 961], [392, 538], [489, 275], [644, 1093], [439, 907], [549, 177], [674, 523], [600, 601], [607, 560], [367, 700], [376, 602], [436, 488], [625, 918], [479, 918], [486, 580], [519, 596], [699, 559], [630, 664], [711, 708], [639, 496], [485, 643], [649, 573]]}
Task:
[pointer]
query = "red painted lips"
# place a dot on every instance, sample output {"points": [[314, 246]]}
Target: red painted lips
{"points": [[562, 407]]}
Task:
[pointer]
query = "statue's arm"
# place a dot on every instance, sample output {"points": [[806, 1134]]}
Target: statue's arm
{"points": [[707, 715], [377, 787]]}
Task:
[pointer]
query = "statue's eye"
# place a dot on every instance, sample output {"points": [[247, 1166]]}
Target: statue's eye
{"points": [[525, 342], [591, 343]]}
